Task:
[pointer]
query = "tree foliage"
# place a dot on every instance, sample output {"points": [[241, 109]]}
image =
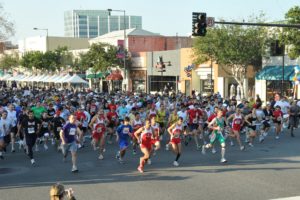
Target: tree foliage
{"points": [[6, 26], [100, 57], [49, 61], [9, 61], [291, 36], [233, 47]]}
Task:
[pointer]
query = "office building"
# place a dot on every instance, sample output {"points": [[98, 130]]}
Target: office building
{"points": [[93, 23]]}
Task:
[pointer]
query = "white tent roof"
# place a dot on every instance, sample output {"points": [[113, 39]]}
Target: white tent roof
{"points": [[34, 78], [27, 78], [13, 78], [49, 78], [54, 79], [76, 79], [5, 77], [63, 79], [44, 78]]}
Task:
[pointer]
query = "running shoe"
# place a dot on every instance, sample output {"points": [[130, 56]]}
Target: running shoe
{"points": [[175, 163], [231, 143], [199, 147], [250, 144], [242, 148], [214, 150], [134, 152], [265, 134], [140, 169], [167, 147], [32, 161], [74, 169], [277, 137], [121, 161], [45, 147], [149, 161], [223, 160], [203, 150], [118, 155], [100, 157], [261, 138]]}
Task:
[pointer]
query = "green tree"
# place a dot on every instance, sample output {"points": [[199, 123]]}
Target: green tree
{"points": [[6, 26], [234, 48], [99, 57], [291, 36], [33, 61], [9, 61]]}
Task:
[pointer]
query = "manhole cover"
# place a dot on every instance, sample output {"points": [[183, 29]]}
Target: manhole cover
{"points": [[6, 170]]}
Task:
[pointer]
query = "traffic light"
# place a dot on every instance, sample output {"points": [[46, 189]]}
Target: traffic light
{"points": [[199, 24]]}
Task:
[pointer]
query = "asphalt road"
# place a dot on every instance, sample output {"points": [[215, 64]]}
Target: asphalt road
{"points": [[267, 171]]}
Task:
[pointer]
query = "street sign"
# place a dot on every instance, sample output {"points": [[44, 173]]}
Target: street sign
{"points": [[210, 21]]}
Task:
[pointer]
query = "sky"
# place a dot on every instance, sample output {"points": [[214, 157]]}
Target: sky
{"points": [[166, 17]]}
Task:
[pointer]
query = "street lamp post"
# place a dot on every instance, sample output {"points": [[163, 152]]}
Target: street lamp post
{"points": [[44, 29], [162, 68], [124, 44]]}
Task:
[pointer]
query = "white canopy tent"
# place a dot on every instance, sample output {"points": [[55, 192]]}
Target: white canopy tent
{"points": [[5, 77], [76, 79], [63, 79], [53, 80], [50, 78]]}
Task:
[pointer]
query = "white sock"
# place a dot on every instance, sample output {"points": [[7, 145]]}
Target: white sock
{"points": [[223, 152]]}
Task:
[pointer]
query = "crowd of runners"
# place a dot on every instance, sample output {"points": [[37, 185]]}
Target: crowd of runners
{"points": [[35, 119]]}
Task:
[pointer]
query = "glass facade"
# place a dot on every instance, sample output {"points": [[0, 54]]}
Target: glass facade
{"points": [[93, 23]]}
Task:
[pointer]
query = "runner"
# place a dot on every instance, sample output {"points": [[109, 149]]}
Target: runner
{"points": [[193, 123], [98, 135], [217, 125], [69, 137], [277, 119], [12, 116], [124, 132], [136, 124], [31, 127], [266, 122], [237, 123], [57, 124], [175, 131], [113, 122], [5, 138], [251, 120], [144, 136], [45, 130]]}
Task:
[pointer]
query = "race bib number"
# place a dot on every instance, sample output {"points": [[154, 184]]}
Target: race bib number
{"points": [[279, 118], [99, 130], [45, 124], [126, 130], [72, 131], [30, 130], [195, 121]]}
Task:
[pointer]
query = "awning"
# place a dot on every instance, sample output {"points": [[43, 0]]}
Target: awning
{"points": [[271, 73], [114, 77], [98, 75]]}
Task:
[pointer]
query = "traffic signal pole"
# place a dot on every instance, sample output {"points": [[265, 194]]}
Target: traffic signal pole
{"points": [[259, 24]]}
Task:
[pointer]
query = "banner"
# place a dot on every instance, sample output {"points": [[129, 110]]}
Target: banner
{"points": [[120, 51]]}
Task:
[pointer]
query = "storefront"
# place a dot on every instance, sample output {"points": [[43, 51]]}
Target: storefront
{"points": [[138, 80], [273, 79]]}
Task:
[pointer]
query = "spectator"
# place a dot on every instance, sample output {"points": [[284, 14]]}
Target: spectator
{"points": [[58, 192]]}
